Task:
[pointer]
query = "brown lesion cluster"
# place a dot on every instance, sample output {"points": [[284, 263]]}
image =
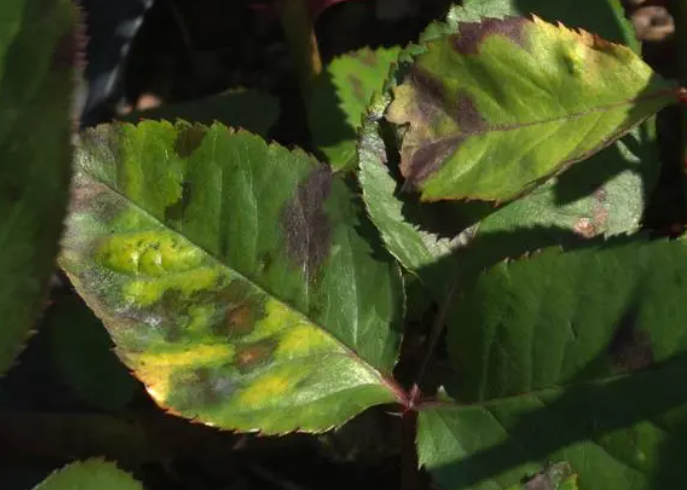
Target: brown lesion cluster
{"points": [[243, 310]]}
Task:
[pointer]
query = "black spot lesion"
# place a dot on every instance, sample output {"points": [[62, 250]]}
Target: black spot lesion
{"points": [[189, 138], [630, 349], [472, 34], [305, 224]]}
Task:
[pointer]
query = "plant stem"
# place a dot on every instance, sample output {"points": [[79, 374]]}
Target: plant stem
{"points": [[409, 461], [434, 335], [679, 12], [299, 29]]}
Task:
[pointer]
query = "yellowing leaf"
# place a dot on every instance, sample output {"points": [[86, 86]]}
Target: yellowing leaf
{"points": [[503, 104]]}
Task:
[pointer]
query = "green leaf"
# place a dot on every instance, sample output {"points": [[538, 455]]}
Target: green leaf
{"points": [[340, 96], [36, 82], [82, 354], [90, 474], [471, 136], [570, 356], [232, 278], [248, 109]]}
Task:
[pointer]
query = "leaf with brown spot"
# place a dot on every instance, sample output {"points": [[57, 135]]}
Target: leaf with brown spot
{"points": [[38, 54], [573, 356], [476, 131], [259, 306]]}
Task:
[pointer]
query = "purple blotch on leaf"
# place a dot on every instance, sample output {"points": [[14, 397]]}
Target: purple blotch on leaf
{"points": [[630, 349], [471, 34], [305, 223], [428, 158], [189, 139]]}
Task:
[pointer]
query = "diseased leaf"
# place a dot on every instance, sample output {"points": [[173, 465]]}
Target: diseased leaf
{"points": [[36, 82], [90, 474], [232, 278], [567, 356], [604, 195], [472, 136], [413, 247], [341, 94]]}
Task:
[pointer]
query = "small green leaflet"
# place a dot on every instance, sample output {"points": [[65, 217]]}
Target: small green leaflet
{"points": [[92, 474]]}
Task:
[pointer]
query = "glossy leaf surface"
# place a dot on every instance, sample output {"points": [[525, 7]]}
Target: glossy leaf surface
{"points": [[567, 356], [91, 474], [232, 277], [472, 136], [36, 82], [341, 94]]}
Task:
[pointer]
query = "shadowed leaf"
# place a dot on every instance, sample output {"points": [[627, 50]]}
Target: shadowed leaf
{"points": [[251, 110], [473, 136], [83, 357], [36, 82], [566, 356], [256, 305]]}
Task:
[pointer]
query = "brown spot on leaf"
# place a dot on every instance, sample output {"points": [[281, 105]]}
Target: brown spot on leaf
{"points": [[250, 356], [630, 349], [357, 85], [189, 139], [240, 318], [585, 228], [305, 223], [368, 57], [471, 34]]}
